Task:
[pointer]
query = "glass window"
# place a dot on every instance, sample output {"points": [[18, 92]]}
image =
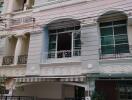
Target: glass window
{"points": [[1, 6], [105, 24], [77, 41], [107, 40], [120, 39], [114, 37], [106, 31], [122, 48], [120, 30], [119, 22], [107, 49], [52, 42], [65, 42]]}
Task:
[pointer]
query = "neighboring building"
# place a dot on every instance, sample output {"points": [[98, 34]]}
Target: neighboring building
{"points": [[67, 49]]}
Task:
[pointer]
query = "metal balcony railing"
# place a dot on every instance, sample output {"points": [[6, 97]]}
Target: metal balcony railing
{"points": [[64, 53], [22, 59], [17, 98], [116, 54], [22, 20], [8, 60]]}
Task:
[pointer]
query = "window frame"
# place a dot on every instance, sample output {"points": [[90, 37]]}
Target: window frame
{"points": [[114, 35], [73, 32]]}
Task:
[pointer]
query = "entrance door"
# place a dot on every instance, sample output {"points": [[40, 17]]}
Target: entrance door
{"points": [[79, 93]]}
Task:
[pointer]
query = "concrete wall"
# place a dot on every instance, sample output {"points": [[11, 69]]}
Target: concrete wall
{"points": [[34, 54], [87, 12], [90, 11], [2, 49]]}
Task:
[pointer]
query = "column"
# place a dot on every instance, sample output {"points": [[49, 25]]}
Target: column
{"points": [[27, 5], [91, 86], [18, 49], [10, 85], [10, 5], [45, 45]]}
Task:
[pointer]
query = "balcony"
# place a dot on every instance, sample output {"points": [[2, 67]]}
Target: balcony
{"points": [[115, 55], [8, 60], [22, 59], [21, 21], [62, 56]]}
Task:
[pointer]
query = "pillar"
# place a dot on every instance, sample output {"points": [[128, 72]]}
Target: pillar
{"points": [[18, 48], [27, 5], [10, 85], [10, 5], [45, 45], [91, 86]]}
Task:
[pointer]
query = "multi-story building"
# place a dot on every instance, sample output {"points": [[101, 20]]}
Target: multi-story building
{"points": [[66, 49]]}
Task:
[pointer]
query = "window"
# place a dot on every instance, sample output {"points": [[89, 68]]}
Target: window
{"points": [[64, 42], [125, 90], [1, 6], [114, 37]]}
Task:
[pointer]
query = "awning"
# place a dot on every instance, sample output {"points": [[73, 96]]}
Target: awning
{"points": [[51, 79]]}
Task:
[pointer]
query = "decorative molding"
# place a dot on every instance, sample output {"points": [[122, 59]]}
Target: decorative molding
{"points": [[88, 22]]}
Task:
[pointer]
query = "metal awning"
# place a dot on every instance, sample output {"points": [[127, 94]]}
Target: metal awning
{"points": [[51, 79]]}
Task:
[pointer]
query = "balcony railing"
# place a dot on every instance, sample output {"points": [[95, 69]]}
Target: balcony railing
{"points": [[22, 20], [116, 55], [17, 98], [64, 54], [22, 59], [8, 60]]}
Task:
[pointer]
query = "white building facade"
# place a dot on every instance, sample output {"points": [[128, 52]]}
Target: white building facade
{"points": [[67, 49]]}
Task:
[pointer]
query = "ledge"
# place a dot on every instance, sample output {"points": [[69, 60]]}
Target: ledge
{"points": [[57, 4], [13, 66], [61, 62], [117, 60]]}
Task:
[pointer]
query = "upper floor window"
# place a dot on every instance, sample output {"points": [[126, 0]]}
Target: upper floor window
{"points": [[1, 6], [64, 42], [114, 35]]}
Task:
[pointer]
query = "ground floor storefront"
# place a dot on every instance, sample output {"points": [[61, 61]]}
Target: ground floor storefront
{"points": [[71, 89], [46, 88], [112, 89], [51, 91]]}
